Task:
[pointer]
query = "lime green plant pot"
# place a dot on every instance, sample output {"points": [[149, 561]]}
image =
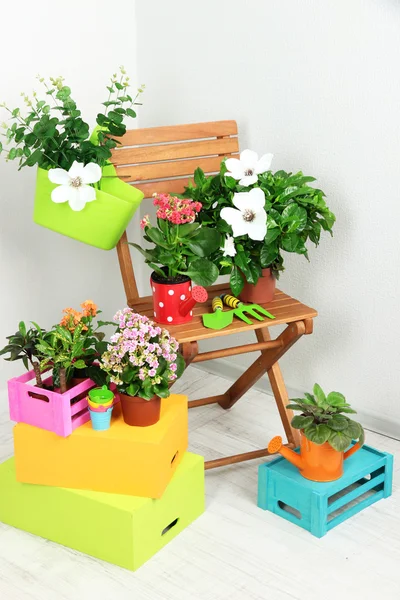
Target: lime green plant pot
{"points": [[101, 223]]}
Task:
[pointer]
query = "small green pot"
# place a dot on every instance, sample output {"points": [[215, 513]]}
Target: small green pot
{"points": [[101, 223]]}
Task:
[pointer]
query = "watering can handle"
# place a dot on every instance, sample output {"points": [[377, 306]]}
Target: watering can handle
{"points": [[352, 450]]}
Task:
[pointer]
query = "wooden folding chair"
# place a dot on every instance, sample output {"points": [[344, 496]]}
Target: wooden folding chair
{"points": [[161, 159]]}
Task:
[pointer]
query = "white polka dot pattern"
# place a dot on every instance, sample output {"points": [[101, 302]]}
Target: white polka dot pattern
{"points": [[161, 304], [183, 297], [169, 319], [171, 292]]}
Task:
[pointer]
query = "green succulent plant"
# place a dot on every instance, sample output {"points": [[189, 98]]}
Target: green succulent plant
{"points": [[324, 419]]}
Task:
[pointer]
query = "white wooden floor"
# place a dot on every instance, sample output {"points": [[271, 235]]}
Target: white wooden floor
{"points": [[235, 551]]}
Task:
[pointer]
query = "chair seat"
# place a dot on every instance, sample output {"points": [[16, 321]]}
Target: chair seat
{"points": [[285, 308]]}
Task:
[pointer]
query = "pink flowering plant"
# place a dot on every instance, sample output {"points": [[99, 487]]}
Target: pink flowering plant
{"points": [[142, 359], [181, 244]]}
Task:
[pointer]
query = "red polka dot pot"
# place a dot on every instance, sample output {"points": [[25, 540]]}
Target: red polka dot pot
{"points": [[173, 302]]}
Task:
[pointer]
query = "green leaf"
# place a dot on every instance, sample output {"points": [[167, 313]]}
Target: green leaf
{"points": [[132, 389], [187, 229], [204, 242], [268, 254], [336, 399], [319, 434], [319, 394], [339, 422], [309, 399], [131, 113], [272, 234], [162, 390], [180, 364], [236, 281], [157, 237], [199, 177], [22, 328], [346, 409], [202, 271], [80, 364], [339, 441], [292, 406], [294, 217], [115, 117], [300, 422], [353, 430], [291, 242]]}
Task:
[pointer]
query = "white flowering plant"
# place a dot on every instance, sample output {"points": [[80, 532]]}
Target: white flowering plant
{"points": [[142, 359], [51, 134], [259, 214]]}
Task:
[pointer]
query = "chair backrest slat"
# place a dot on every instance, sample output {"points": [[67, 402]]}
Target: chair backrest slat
{"points": [[156, 159], [175, 133], [163, 159]]}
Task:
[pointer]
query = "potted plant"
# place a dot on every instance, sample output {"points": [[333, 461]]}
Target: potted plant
{"points": [[72, 347], [142, 360], [78, 193], [179, 256], [326, 435], [260, 215]]}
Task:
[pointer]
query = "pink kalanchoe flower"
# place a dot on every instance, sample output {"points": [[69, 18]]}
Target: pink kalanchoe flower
{"points": [[176, 210], [145, 222]]}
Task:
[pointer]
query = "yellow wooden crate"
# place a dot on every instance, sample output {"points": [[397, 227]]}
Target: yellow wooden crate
{"points": [[139, 461]]}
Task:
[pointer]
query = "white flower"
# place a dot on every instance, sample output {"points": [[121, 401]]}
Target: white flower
{"points": [[229, 246], [249, 216], [248, 167], [73, 184]]}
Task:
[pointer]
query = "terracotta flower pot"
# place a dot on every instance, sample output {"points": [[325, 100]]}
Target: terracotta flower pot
{"points": [[173, 301], [140, 412], [260, 293]]}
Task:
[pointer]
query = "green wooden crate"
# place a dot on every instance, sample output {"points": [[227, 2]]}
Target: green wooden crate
{"points": [[123, 530]]}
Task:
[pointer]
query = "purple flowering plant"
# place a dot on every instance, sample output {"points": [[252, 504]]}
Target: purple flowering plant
{"points": [[142, 359]]}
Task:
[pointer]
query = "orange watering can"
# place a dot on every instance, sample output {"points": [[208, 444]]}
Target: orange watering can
{"points": [[318, 462]]}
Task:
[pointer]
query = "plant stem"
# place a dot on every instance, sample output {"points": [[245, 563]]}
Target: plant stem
{"points": [[38, 375], [63, 380]]}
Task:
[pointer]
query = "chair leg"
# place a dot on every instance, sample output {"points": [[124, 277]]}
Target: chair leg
{"points": [[189, 350], [280, 394], [264, 363]]}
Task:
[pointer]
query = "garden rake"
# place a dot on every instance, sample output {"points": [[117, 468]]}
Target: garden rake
{"points": [[250, 309]]}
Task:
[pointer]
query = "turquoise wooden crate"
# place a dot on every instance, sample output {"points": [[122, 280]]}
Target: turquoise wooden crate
{"points": [[318, 507]]}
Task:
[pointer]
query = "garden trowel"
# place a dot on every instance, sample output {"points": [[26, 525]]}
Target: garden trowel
{"points": [[250, 309], [218, 319]]}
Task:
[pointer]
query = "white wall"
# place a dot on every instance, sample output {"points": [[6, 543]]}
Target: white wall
{"points": [[41, 271], [317, 84]]}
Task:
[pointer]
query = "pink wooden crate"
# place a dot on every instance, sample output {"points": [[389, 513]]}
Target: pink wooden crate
{"points": [[60, 413]]}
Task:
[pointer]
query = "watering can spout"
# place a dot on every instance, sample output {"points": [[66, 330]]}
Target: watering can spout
{"points": [[198, 294], [275, 446]]}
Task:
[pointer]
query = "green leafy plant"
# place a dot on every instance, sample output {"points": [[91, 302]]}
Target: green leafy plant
{"points": [[22, 345], [72, 347], [52, 133], [324, 419], [181, 245], [295, 213]]}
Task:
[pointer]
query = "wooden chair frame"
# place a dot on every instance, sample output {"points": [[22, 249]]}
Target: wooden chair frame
{"points": [[162, 159]]}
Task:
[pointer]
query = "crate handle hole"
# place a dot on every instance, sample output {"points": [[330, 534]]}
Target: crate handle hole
{"points": [[174, 457], [38, 396], [289, 509], [170, 526]]}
